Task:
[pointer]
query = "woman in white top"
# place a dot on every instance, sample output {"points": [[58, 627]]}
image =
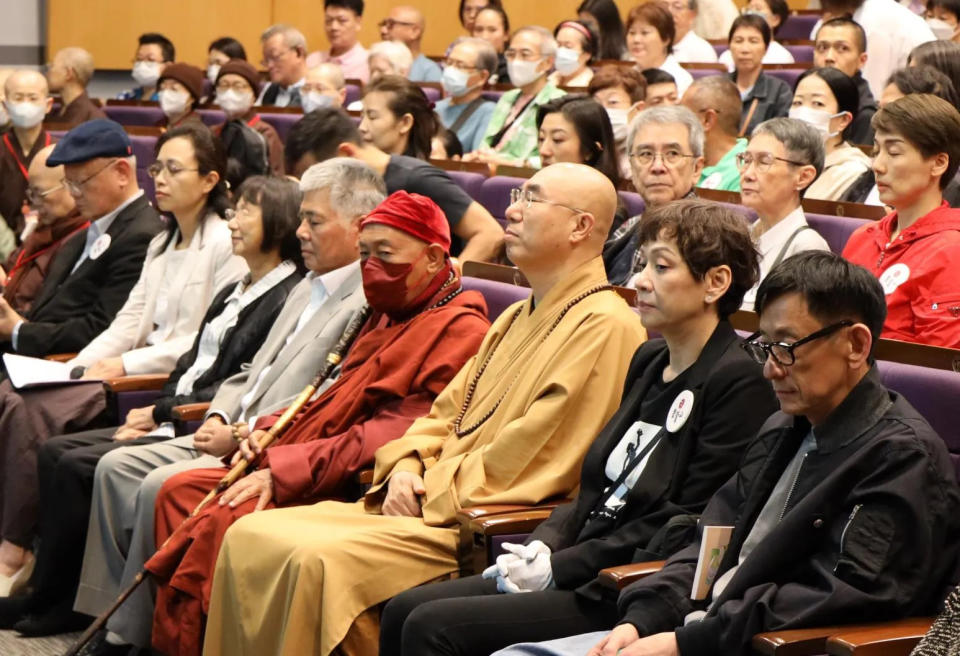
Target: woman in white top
{"points": [[650, 31], [783, 158], [827, 99], [576, 48], [775, 12]]}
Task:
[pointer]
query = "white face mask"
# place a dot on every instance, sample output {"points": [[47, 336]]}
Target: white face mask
{"points": [[568, 61], [619, 123], [941, 29], [818, 118], [315, 100], [173, 103], [522, 72], [25, 114], [146, 73], [234, 102], [455, 82], [213, 70]]}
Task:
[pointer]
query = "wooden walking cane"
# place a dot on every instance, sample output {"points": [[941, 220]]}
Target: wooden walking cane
{"points": [[333, 359]]}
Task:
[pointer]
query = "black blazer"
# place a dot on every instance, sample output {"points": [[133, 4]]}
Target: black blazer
{"points": [[731, 402], [773, 96], [73, 308], [238, 346]]}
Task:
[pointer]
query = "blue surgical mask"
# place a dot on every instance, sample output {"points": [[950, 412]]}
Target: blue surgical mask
{"points": [[454, 81], [567, 61]]}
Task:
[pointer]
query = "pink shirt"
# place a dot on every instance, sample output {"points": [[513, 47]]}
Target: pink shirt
{"points": [[353, 62]]}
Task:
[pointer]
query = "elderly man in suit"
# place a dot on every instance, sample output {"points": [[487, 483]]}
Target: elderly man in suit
{"points": [[337, 193]]}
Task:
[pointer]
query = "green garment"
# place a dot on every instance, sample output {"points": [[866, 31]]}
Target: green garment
{"points": [[724, 175], [523, 145]]}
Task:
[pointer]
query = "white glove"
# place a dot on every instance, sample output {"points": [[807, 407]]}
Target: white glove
{"points": [[524, 568]]}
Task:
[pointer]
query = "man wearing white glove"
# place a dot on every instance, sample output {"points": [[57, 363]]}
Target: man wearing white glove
{"points": [[524, 568]]}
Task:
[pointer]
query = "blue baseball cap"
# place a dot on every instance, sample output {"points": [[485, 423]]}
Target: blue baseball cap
{"points": [[97, 138]]}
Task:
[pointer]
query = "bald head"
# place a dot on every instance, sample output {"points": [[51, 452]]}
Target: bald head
{"points": [[717, 93], [326, 79], [54, 201], [70, 65], [404, 23], [584, 188], [24, 82]]}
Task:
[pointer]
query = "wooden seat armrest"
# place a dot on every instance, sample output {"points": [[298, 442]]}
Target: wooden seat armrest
{"points": [[524, 521], [364, 477], [885, 639], [619, 577], [61, 357], [139, 383], [794, 642], [477, 512], [190, 411]]}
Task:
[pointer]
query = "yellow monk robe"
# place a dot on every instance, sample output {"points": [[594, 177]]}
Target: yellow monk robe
{"points": [[292, 581]]}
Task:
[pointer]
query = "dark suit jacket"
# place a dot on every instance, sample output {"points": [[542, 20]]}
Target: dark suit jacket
{"points": [[72, 309], [237, 346], [773, 96], [731, 402]]}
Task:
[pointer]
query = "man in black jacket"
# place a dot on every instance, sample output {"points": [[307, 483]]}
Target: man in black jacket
{"points": [[844, 507], [93, 273]]}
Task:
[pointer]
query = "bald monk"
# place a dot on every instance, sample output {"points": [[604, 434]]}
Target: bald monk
{"points": [[512, 427], [57, 220], [69, 74], [26, 100], [424, 330]]}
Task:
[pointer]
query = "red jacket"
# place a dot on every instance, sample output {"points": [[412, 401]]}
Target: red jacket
{"points": [[920, 274]]}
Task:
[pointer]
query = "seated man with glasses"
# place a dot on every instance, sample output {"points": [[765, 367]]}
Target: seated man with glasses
{"points": [[844, 506], [285, 58], [406, 25], [665, 146], [466, 70]]}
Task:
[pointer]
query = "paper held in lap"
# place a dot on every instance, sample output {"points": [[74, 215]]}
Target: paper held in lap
{"points": [[25, 372], [713, 545]]}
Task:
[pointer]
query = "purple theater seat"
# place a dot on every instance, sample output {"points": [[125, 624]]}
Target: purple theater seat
{"points": [[282, 123], [148, 116], [211, 117], [788, 75], [836, 230], [697, 73], [143, 148], [801, 53], [934, 393], [495, 195], [492, 95], [433, 95], [633, 202], [498, 295], [720, 48], [469, 182], [354, 93], [797, 27]]}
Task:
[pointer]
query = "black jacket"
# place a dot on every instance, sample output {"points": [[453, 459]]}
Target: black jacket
{"points": [[773, 96], [237, 347], [73, 308], [860, 131], [870, 530], [731, 401]]}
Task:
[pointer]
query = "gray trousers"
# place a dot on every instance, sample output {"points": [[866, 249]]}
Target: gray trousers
{"points": [[577, 645], [120, 537]]}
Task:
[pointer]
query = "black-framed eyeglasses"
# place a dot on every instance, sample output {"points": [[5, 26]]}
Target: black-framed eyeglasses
{"points": [[783, 353], [389, 23]]}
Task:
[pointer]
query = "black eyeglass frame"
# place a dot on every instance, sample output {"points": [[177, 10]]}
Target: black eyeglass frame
{"points": [[755, 348]]}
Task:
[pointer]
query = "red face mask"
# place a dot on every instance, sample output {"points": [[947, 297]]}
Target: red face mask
{"points": [[385, 284]]}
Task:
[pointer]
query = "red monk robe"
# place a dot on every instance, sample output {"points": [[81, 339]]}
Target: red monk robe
{"points": [[391, 376]]}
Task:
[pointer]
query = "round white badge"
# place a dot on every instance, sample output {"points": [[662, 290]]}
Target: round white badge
{"points": [[894, 277], [680, 411], [712, 180], [99, 246]]}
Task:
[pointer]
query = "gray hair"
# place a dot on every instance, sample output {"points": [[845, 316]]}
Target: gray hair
{"points": [[80, 61], [395, 52], [292, 37], [548, 45], [355, 188], [487, 59], [802, 141], [663, 114]]}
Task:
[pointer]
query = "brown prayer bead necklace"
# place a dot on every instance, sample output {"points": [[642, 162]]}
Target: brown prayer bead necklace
{"points": [[472, 388]]}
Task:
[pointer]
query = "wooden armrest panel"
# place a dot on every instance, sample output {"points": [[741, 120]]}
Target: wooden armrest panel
{"points": [[365, 477], [794, 642], [508, 523], [61, 357], [190, 411], [468, 515], [140, 383], [619, 577], [886, 639]]}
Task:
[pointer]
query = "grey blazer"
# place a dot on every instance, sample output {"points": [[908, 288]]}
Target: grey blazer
{"points": [[292, 366]]}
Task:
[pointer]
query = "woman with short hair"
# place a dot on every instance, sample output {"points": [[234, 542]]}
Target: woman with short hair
{"points": [[650, 33], [763, 96]]}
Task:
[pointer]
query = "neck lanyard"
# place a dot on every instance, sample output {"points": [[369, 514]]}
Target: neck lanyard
{"points": [[254, 120], [16, 157]]}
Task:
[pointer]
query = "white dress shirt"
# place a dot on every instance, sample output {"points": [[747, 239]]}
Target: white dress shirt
{"points": [[692, 49]]}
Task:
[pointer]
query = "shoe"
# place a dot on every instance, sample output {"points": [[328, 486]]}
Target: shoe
{"points": [[59, 618], [14, 609], [11, 585], [98, 646]]}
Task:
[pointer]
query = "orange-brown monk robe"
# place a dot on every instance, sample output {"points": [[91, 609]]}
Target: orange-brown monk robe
{"points": [[390, 378]]}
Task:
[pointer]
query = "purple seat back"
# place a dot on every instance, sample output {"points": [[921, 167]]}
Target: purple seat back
{"points": [[281, 123], [148, 116], [633, 202], [127, 401], [211, 117], [143, 148], [498, 295], [720, 48], [492, 95], [801, 53], [788, 75], [797, 27], [433, 95], [934, 393], [495, 195], [836, 230], [697, 73], [354, 93], [470, 182]]}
